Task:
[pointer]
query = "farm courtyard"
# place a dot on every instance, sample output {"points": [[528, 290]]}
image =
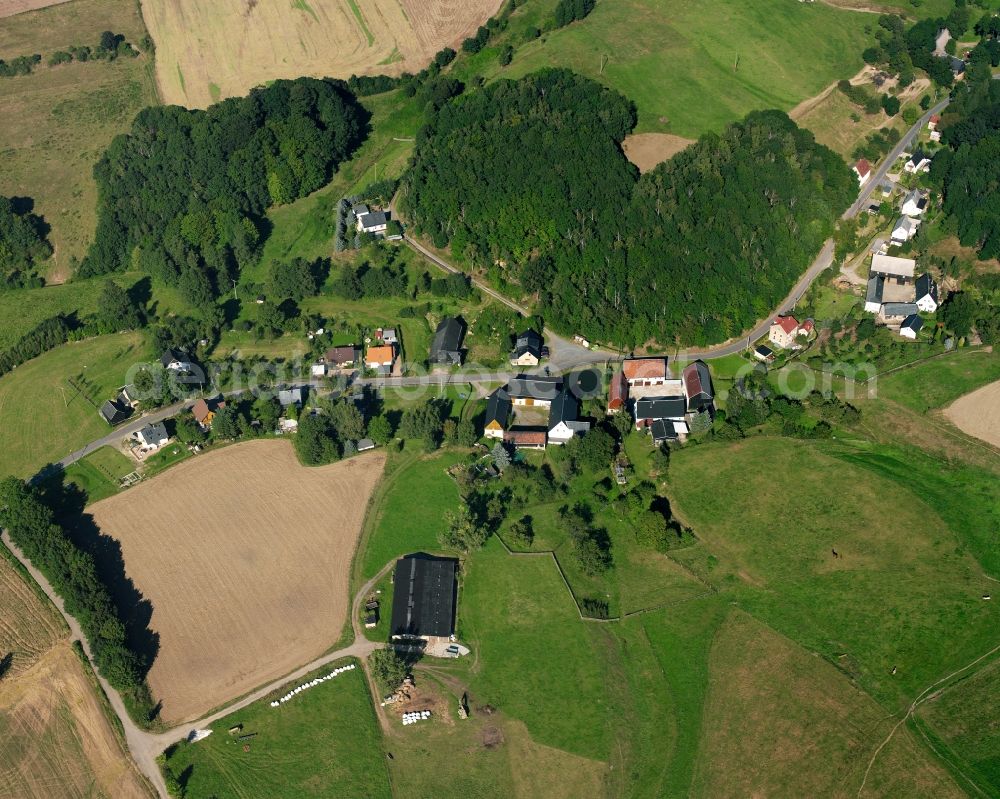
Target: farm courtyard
{"points": [[244, 556], [206, 51]]}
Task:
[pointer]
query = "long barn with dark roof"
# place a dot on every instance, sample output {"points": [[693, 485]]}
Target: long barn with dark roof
{"points": [[424, 597]]}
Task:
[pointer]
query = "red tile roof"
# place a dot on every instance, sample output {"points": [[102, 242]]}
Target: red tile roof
{"points": [[787, 323], [863, 167], [645, 368], [806, 326], [935, 118], [525, 438], [618, 391]]}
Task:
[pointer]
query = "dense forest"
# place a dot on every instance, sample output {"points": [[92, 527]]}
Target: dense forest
{"points": [[23, 245], [182, 195], [527, 180]]}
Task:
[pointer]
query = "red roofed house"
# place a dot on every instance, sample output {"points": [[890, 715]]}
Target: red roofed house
{"points": [[784, 331], [645, 371], [617, 393], [525, 439], [863, 170], [933, 122]]}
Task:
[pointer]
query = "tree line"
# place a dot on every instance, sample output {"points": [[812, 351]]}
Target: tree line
{"points": [[73, 574], [109, 47], [527, 180]]}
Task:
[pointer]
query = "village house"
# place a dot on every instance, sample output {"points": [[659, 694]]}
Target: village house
{"points": [[649, 409], [926, 294], [291, 396], [563, 421], [863, 170], [932, 123], [874, 293], [910, 327], [341, 357], [892, 314], [425, 590], [388, 335], [527, 349], [645, 371], [152, 436], [374, 222], [115, 412], [904, 229], [617, 393], [914, 203], [892, 268], [204, 411], [918, 162], [530, 390], [525, 439], [784, 332], [446, 348], [380, 358], [176, 361], [698, 388], [763, 354], [498, 411]]}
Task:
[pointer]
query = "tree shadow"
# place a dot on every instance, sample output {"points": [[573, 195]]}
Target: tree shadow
{"points": [[5, 663], [141, 292], [68, 502]]}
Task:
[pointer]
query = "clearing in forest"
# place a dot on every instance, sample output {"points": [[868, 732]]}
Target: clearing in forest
{"points": [[244, 555]]}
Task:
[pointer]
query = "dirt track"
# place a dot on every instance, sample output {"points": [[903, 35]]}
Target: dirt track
{"points": [[978, 413], [244, 555]]}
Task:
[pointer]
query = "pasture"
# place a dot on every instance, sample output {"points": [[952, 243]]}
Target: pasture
{"points": [[51, 403], [55, 738], [940, 381], [902, 593], [207, 51], [244, 555], [689, 70], [58, 121], [779, 722], [324, 742]]}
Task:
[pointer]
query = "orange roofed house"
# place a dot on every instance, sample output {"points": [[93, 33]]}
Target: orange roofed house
{"points": [[786, 329], [618, 393], [380, 358], [645, 371], [204, 411]]}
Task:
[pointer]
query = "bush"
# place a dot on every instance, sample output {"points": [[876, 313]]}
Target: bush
{"points": [[388, 668]]}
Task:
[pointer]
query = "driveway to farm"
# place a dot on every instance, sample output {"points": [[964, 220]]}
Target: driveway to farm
{"points": [[146, 746]]}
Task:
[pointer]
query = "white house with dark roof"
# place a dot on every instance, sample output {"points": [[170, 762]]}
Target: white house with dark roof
{"points": [[914, 203], [563, 421], [892, 314], [904, 229], [910, 327], [152, 436], [874, 293], [926, 294], [374, 222], [918, 162]]}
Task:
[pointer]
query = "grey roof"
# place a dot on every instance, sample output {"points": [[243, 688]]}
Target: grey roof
{"points": [[359, 209], [373, 219], [661, 408], [698, 385], [290, 396], [446, 347], [957, 65], [913, 322], [171, 355], [544, 388], [926, 287], [423, 597], [564, 408], [876, 287], [365, 444], [498, 407], [919, 156], [663, 430], [154, 431], [115, 413], [528, 341], [899, 309]]}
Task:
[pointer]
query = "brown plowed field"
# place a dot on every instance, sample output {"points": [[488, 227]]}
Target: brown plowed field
{"points": [[206, 51], [244, 555]]}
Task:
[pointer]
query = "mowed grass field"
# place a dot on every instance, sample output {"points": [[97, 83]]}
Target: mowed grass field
{"points": [[244, 555], [57, 122], [779, 722], [206, 51], [45, 417], [938, 382], [324, 742], [692, 68], [903, 596], [55, 738]]}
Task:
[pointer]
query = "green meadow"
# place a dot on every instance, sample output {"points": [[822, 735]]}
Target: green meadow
{"points": [[325, 741], [99, 473], [940, 381]]}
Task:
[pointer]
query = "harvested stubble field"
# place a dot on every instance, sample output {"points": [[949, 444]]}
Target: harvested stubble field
{"points": [[978, 414], [55, 739], [244, 555], [206, 51], [9, 8]]}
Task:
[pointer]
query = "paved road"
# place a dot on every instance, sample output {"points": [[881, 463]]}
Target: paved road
{"points": [[901, 147]]}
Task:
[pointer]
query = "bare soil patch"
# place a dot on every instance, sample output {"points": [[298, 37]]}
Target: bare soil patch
{"points": [[244, 555], [206, 50], [978, 413], [9, 8], [647, 150]]}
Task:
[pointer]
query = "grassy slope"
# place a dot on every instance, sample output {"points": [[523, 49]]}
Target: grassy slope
{"points": [[57, 121], [675, 59], [44, 418], [921, 611], [323, 738], [941, 381]]}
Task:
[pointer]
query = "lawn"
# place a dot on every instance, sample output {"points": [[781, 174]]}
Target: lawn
{"points": [[52, 417], [99, 473], [324, 739], [903, 594], [165, 458], [691, 70], [58, 120], [940, 381]]}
